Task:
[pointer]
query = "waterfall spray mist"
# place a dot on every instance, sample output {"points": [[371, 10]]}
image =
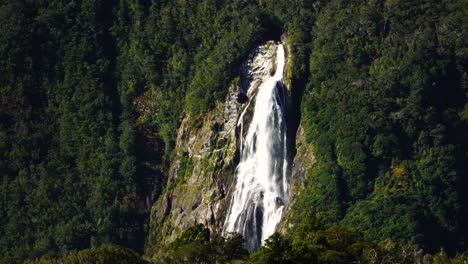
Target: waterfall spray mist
{"points": [[262, 185]]}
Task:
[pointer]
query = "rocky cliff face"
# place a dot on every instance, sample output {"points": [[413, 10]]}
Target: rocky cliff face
{"points": [[201, 174], [302, 162]]}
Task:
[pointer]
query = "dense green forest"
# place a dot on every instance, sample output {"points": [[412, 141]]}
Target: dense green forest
{"points": [[92, 93], [315, 244], [386, 110]]}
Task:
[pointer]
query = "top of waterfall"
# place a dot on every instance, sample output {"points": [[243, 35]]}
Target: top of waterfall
{"points": [[279, 63], [259, 67]]}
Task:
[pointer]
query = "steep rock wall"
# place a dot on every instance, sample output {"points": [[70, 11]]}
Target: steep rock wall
{"points": [[302, 162], [201, 174]]}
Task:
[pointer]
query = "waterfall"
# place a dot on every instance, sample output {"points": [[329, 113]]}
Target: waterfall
{"points": [[261, 189]]}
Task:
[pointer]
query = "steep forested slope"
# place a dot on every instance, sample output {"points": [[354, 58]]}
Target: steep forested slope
{"points": [[385, 110], [68, 163], [92, 94]]}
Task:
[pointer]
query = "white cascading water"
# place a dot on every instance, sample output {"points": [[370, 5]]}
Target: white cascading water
{"points": [[261, 176]]}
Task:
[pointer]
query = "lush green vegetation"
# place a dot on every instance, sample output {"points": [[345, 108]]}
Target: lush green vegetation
{"points": [[107, 254], [68, 164], [312, 242], [385, 110], [92, 93], [197, 245]]}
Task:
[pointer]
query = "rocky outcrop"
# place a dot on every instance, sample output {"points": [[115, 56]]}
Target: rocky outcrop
{"points": [[202, 168], [303, 161], [202, 171]]}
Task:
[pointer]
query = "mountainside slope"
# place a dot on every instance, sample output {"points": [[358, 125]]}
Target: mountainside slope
{"points": [[385, 110], [115, 115]]}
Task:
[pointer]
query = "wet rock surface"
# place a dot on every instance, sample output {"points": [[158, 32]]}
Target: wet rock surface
{"points": [[213, 150], [302, 162]]}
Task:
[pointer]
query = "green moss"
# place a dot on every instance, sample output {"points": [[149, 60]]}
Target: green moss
{"points": [[185, 168], [170, 186]]}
